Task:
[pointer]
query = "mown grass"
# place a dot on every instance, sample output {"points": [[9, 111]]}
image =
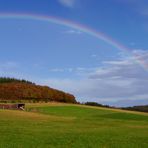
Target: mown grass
{"points": [[72, 126]]}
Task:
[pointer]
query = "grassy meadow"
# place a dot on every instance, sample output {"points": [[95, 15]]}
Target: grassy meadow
{"points": [[59, 125]]}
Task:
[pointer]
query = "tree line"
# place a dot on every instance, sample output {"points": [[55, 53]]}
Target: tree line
{"points": [[10, 80], [15, 89], [140, 108]]}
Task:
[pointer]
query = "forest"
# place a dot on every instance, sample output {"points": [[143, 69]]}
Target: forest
{"points": [[15, 89]]}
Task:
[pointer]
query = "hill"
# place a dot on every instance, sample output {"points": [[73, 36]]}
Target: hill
{"points": [[14, 89], [60, 125], [141, 108]]}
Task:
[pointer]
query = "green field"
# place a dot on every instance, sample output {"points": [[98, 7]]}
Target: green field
{"points": [[68, 126]]}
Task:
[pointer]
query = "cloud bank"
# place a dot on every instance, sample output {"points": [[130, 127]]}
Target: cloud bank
{"points": [[117, 82]]}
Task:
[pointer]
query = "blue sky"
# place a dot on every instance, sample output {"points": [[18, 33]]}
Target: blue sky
{"points": [[72, 60]]}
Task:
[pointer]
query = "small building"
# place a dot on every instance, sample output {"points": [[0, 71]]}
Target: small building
{"points": [[18, 106]]}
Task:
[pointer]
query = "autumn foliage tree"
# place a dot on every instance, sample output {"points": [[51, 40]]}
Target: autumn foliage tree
{"points": [[14, 89]]}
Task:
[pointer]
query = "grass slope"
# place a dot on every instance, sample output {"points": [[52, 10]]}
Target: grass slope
{"points": [[72, 126]]}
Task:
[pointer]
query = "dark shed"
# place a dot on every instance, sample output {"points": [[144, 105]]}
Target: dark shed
{"points": [[19, 106]]}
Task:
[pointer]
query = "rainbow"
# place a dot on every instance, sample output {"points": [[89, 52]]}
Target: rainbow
{"points": [[79, 27]]}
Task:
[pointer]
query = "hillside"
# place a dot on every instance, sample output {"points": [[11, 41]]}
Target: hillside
{"points": [[60, 125], [14, 89]]}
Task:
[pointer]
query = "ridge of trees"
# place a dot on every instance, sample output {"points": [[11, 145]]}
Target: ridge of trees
{"points": [[96, 104], [10, 80], [15, 89], [140, 108]]}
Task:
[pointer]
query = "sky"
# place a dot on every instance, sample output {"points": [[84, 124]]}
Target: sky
{"points": [[96, 49]]}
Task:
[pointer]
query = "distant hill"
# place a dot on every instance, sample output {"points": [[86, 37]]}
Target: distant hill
{"points": [[15, 89], [142, 108]]}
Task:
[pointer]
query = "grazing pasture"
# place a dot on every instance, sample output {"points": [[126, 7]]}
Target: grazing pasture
{"points": [[58, 125]]}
